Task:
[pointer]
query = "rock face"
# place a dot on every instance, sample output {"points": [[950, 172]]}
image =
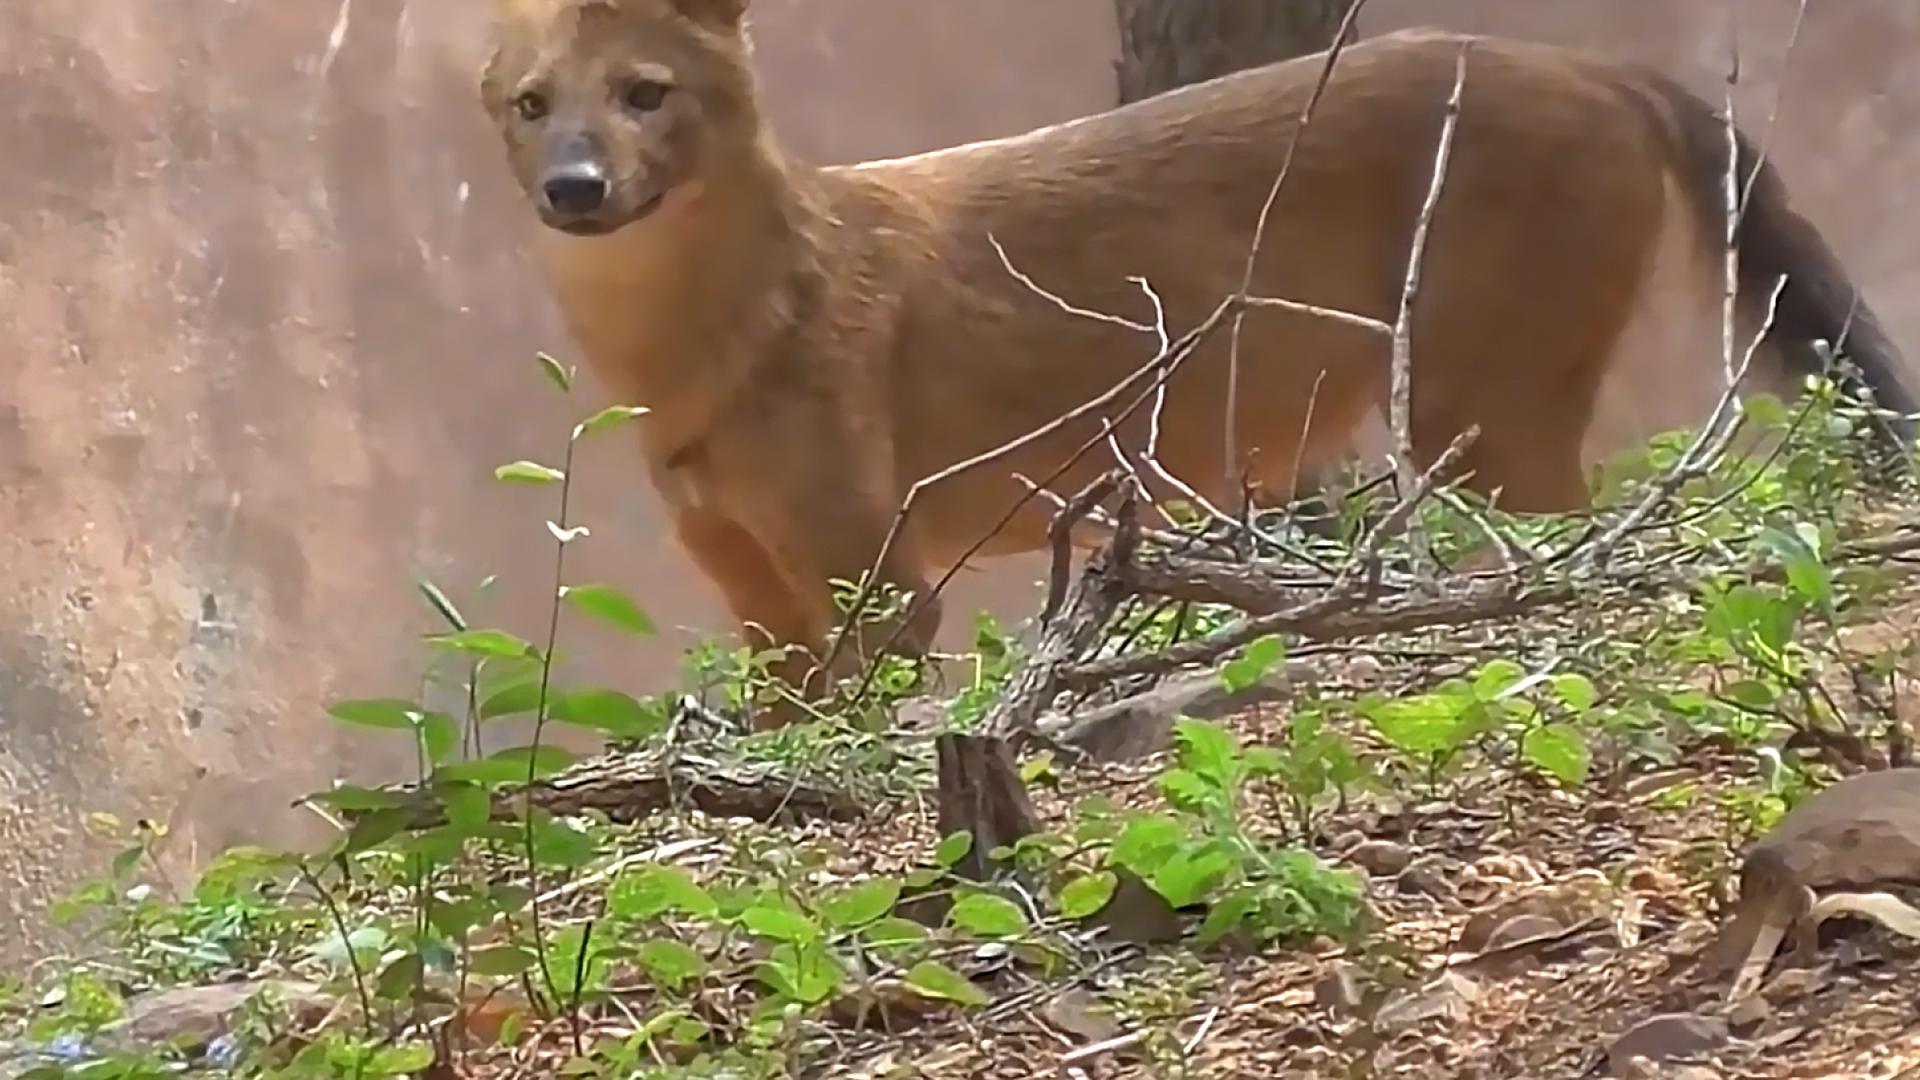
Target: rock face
{"points": [[265, 327]]}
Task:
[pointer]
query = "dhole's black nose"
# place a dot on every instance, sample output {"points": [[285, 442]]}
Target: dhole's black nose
{"points": [[577, 189]]}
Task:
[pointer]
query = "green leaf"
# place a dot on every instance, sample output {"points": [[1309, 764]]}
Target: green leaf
{"points": [[1810, 578], [558, 844], [551, 367], [392, 714], [501, 961], [610, 711], [1187, 790], [1147, 841], [439, 736], [671, 964], [1558, 750], [1434, 723], [486, 643], [1748, 614], [1495, 677], [953, 848], [125, 861], [806, 974], [376, 828], [577, 964], [438, 846], [609, 417], [1037, 768], [647, 892], [1207, 749], [1575, 691], [893, 934], [333, 950], [401, 1060], [937, 980], [780, 924], [686, 1031], [1766, 409], [455, 919], [1252, 665], [397, 981], [523, 697], [1189, 876], [987, 915], [857, 905], [468, 806], [528, 472], [1753, 694], [1226, 915], [609, 605], [509, 766], [1799, 554], [1087, 895]]}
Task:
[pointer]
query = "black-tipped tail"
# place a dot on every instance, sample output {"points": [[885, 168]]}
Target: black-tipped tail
{"points": [[1820, 302]]}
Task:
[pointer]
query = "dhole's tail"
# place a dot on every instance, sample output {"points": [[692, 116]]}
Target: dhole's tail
{"points": [[1819, 301]]}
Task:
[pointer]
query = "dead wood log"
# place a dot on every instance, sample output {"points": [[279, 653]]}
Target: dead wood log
{"points": [[628, 787], [1083, 616], [1138, 726], [980, 792], [1861, 831]]}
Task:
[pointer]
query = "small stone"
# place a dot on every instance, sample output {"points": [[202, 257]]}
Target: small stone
{"points": [[1668, 1036], [1522, 928], [1796, 982], [192, 1017], [1423, 880], [1749, 1011], [1138, 914], [1342, 842], [1649, 784], [1381, 858], [1448, 996], [1338, 991], [1078, 1012], [1365, 671]]}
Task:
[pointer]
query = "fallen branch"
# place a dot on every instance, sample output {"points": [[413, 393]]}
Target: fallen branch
{"points": [[627, 788]]}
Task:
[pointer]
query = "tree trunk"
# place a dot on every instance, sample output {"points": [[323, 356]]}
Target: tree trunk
{"points": [[1169, 43]]}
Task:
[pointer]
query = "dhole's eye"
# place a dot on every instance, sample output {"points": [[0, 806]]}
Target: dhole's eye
{"points": [[644, 95], [530, 105]]}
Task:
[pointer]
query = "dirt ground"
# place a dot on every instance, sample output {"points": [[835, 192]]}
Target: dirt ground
{"points": [[1524, 931]]}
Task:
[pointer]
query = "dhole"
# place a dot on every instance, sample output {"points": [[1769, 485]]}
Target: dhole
{"points": [[812, 340]]}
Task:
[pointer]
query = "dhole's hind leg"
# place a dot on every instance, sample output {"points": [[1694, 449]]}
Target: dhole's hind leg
{"points": [[1525, 364], [1528, 464]]}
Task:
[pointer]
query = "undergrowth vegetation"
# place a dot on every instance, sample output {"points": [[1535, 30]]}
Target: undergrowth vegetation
{"points": [[451, 922]]}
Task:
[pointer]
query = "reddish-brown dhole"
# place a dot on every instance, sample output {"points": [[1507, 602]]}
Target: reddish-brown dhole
{"points": [[813, 340]]}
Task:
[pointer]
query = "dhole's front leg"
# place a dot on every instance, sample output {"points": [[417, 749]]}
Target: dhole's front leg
{"points": [[758, 596], [785, 600]]}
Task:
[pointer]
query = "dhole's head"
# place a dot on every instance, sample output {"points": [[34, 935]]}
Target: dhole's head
{"points": [[608, 108]]}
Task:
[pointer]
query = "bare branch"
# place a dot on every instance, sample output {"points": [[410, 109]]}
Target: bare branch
{"points": [[1401, 403], [1340, 39]]}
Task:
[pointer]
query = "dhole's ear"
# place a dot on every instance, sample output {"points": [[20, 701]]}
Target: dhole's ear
{"points": [[721, 14]]}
